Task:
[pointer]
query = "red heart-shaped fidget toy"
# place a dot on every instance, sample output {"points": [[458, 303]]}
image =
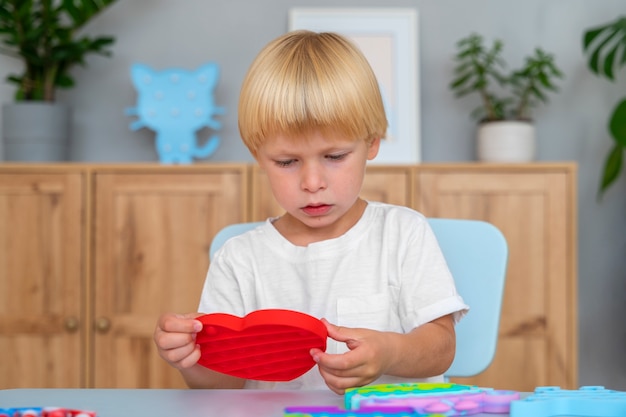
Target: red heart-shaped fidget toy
{"points": [[265, 345]]}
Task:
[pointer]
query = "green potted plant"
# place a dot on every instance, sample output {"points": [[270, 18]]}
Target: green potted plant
{"points": [[44, 36], [505, 130], [604, 45]]}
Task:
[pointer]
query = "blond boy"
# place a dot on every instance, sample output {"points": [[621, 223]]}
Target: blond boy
{"points": [[311, 114]]}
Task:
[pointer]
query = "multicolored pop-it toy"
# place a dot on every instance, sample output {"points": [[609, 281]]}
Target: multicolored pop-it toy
{"points": [[413, 400], [445, 399], [44, 412], [322, 411]]}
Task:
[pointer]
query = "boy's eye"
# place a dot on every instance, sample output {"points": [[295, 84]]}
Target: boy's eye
{"points": [[284, 163], [337, 157]]}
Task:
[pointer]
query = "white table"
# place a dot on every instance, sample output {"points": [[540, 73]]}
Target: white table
{"points": [[173, 403]]}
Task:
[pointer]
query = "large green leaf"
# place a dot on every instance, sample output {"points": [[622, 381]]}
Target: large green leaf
{"points": [[603, 44], [612, 167], [617, 124]]}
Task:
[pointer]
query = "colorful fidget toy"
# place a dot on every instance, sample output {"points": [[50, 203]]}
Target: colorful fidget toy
{"points": [[266, 345], [588, 401], [446, 399], [44, 412], [322, 411]]}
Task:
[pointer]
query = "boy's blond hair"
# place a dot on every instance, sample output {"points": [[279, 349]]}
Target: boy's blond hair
{"points": [[305, 81]]}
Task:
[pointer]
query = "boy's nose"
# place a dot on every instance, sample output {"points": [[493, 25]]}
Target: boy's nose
{"points": [[313, 178]]}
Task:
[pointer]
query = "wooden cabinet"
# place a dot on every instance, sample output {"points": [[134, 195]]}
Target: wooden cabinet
{"points": [[42, 270], [90, 255], [534, 206], [152, 232]]}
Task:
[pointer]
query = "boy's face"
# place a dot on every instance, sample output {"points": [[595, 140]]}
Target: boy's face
{"points": [[317, 179]]}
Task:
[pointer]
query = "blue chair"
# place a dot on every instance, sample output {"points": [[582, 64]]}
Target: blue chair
{"points": [[229, 231], [477, 254]]}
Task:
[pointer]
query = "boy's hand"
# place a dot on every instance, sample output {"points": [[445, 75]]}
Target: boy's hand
{"points": [[369, 357], [425, 351], [175, 338]]}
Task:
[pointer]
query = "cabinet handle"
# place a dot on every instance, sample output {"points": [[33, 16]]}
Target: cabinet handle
{"points": [[103, 324], [71, 324]]}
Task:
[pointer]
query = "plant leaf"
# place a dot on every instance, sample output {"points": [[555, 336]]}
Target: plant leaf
{"points": [[591, 34], [609, 60], [612, 167], [602, 45], [617, 124]]}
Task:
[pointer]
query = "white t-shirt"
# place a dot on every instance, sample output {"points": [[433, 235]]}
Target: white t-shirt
{"points": [[386, 273]]}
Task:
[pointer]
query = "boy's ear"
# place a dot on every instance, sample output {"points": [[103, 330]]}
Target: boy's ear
{"points": [[373, 150]]}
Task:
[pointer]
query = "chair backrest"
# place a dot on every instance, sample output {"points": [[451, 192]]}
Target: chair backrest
{"points": [[477, 254], [227, 232]]}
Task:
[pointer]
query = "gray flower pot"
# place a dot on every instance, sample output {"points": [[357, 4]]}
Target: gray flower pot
{"points": [[35, 131]]}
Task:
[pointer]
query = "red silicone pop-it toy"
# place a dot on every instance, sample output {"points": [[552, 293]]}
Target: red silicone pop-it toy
{"points": [[265, 345]]}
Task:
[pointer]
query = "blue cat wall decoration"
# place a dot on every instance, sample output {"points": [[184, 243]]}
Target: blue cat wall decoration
{"points": [[176, 103]]}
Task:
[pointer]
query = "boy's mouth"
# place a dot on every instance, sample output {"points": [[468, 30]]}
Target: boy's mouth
{"points": [[316, 209]]}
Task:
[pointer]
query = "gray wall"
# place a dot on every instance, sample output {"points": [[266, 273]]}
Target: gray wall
{"points": [[164, 33]]}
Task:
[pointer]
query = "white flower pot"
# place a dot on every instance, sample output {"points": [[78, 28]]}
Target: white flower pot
{"points": [[505, 141]]}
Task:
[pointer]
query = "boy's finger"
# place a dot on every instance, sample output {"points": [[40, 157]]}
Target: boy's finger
{"points": [[340, 333], [180, 323], [174, 341]]}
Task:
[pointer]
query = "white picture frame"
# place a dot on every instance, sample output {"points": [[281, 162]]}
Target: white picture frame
{"points": [[388, 38]]}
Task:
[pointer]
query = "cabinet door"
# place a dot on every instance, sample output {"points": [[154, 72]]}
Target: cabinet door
{"points": [[41, 271], [534, 208], [153, 229], [389, 184]]}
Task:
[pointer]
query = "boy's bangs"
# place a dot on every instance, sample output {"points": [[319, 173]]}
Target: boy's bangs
{"points": [[324, 100], [310, 83], [308, 109]]}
